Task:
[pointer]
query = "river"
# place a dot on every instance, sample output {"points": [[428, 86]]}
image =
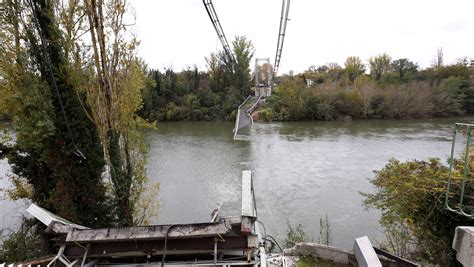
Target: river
{"points": [[302, 170]]}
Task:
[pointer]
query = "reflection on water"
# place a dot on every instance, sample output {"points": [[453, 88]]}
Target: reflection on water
{"points": [[302, 170]]}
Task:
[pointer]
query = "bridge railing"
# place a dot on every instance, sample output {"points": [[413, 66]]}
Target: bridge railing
{"points": [[255, 105], [461, 206], [237, 119]]}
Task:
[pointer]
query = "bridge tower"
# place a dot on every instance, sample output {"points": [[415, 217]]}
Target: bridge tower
{"points": [[263, 76]]}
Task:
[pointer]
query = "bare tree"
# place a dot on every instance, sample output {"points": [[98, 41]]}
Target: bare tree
{"points": [[438, 59]]}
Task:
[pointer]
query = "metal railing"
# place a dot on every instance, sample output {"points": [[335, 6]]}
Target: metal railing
{"points": [[467, 130], [247, 112], [237, 119]]}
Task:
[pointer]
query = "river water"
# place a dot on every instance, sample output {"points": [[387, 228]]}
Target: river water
{"points": [[302, 170]]}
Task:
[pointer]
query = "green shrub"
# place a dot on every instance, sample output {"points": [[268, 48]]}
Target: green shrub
{"points": [[410, 196], [29, 242], [265, 114], [295, 235]]}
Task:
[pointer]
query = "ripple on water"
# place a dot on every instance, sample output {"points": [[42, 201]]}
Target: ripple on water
{"points": [[302, 171]]}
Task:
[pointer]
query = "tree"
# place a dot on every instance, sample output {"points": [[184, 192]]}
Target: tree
{"points": [[411, 198], [113, 92], [438, 59], [243, 50], [379, 65], [403, 66], [57, 150], [335, 72], [354, 68]]}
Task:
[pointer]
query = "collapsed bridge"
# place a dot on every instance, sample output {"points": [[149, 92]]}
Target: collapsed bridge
{"points": [[263, 73]]}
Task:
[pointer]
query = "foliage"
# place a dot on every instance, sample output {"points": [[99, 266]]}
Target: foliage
{"points": [[379, 65], [51, 127], [295, 235], [354, 68], [244, 51], [113, 86], [26, 243], [309, 261], [62, 108], [401, 92], [411, 198], [394, 89], [197, 95], [402, 67], [325, 237], [306, 262]]}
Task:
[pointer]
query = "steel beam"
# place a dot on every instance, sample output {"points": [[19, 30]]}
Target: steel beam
{"points": [[134, 248]]}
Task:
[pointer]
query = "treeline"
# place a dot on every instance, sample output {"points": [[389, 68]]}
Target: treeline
{"points": [[392, 89], [196, 95]]}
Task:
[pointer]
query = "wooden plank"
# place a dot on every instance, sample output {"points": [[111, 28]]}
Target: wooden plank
{"points": [[224, 226]]}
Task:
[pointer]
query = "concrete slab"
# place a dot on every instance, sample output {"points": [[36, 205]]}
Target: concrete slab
{"points": [[463, 244], [365, 253]]}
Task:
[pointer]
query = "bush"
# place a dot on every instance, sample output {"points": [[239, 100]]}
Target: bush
{"points": [[29, 242], [411, 198], [295, 235], [447, 100], [265, 114]]}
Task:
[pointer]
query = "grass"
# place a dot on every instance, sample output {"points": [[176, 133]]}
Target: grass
{"points": [[312, 262]]}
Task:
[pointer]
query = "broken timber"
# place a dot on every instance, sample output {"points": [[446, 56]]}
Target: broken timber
{"points": [[218, 241]]}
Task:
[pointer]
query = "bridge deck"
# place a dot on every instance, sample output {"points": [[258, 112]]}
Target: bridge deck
{"points": [[244, 114]]}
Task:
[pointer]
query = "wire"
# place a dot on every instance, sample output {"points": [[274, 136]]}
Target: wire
{"points": [[274, 241], [264, 230], [166, 243], [33, 6]]}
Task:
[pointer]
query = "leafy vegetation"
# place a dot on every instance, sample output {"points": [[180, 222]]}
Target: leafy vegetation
{"points": [[312, 262], [325, 237], [73, 102], [393, 90], [26, 243], [411, 198], [295, 235], [49, 119], [196, 95]]}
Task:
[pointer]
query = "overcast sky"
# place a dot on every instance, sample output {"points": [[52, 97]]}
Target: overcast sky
{"points": [[179, 33]]}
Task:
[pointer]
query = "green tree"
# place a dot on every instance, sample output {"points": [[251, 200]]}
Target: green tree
{"points": [[410, 196], [379, 65], [403, 66], [53, 132], [335, 72], [243, 50], [113, 92], [296, 234], [353, 68]]}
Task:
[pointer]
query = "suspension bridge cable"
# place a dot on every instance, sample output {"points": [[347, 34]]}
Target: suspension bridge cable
{"points": [[34, 9]]}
